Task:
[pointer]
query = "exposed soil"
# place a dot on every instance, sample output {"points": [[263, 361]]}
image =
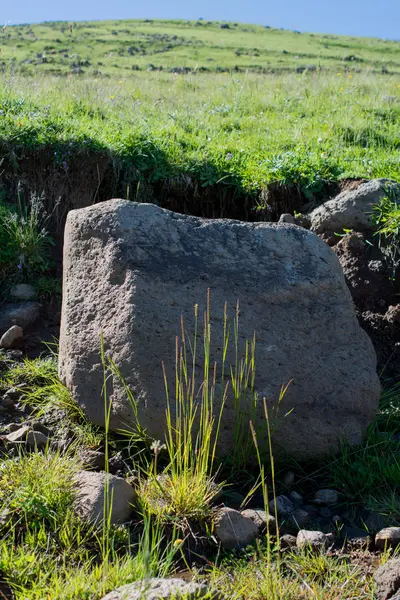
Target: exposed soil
{"points": [[376, 296]]}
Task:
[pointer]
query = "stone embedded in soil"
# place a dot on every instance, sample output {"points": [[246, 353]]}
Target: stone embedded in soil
{"points": [[18, 435], [315, 540], [387, 579], [24, 315], [132, 270], [36, 439], [22, 291], [299, 518], [288, 478], [233, 529], [261, 519], [12, 338], [389, 537], [160, 589], [351, 209], [93, 459], [27, 435], [287, 541], [284, 506], [296, 498], [327, 496], [90, 497]]}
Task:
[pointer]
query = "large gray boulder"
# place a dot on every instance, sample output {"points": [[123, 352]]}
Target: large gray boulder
{"points": [[352, 208], [131, 270]]}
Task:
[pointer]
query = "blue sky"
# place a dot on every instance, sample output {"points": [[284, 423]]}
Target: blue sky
{"points": [[352, 17]]}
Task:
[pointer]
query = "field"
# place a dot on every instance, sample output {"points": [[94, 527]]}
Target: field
{"points": [[216, 119], [198, 127]]}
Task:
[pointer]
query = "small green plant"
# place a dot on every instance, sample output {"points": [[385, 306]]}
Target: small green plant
{"points": [[36, 489], [386, 218], [186, 487], [26, 240]]}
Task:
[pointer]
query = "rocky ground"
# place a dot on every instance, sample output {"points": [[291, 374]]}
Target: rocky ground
{"points": [[314, 525]]}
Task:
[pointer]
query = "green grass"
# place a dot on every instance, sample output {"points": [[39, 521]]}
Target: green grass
{"points": [[117, 47], [212, 136]]}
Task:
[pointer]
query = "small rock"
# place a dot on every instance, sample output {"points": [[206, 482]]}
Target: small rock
{"points": [[12, 338], [315, 540], [42, 428], [327, 496], [287, 218], [159, 589], [36, 439], [24, 315], [287, 541], [23, 291], [261, 519], [18, 435], [387, 538], [299, 517], [16, 392], [284, 506], [233, 529], [89, 501], [116, 463], [296, 498], [387, 579], [92, 459], [7, 402], [288, 478]]}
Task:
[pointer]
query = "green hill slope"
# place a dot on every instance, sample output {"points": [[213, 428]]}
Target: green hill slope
{"points": [[114, 47]]}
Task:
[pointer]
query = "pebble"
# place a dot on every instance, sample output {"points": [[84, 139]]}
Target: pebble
{"points": [[327, 496], [12, 338], [284, 506], [296, 498], [261, 519], [288, 478]]}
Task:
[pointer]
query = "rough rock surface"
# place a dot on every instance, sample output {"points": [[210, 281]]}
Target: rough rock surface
{"points": [[315, 540], [12, 338], [387, 579], [387, 538], [327, 496], [261, 519], [158, 588], [351, 209], [233, 529], [283, 505], [131, 270], [89, 502], [24, 315]]}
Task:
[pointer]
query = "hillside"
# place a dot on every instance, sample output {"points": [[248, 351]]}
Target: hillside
{"points": [[115, 47]]}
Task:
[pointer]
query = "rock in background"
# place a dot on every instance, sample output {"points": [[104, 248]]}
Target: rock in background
{"points": [[131, 270]]}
